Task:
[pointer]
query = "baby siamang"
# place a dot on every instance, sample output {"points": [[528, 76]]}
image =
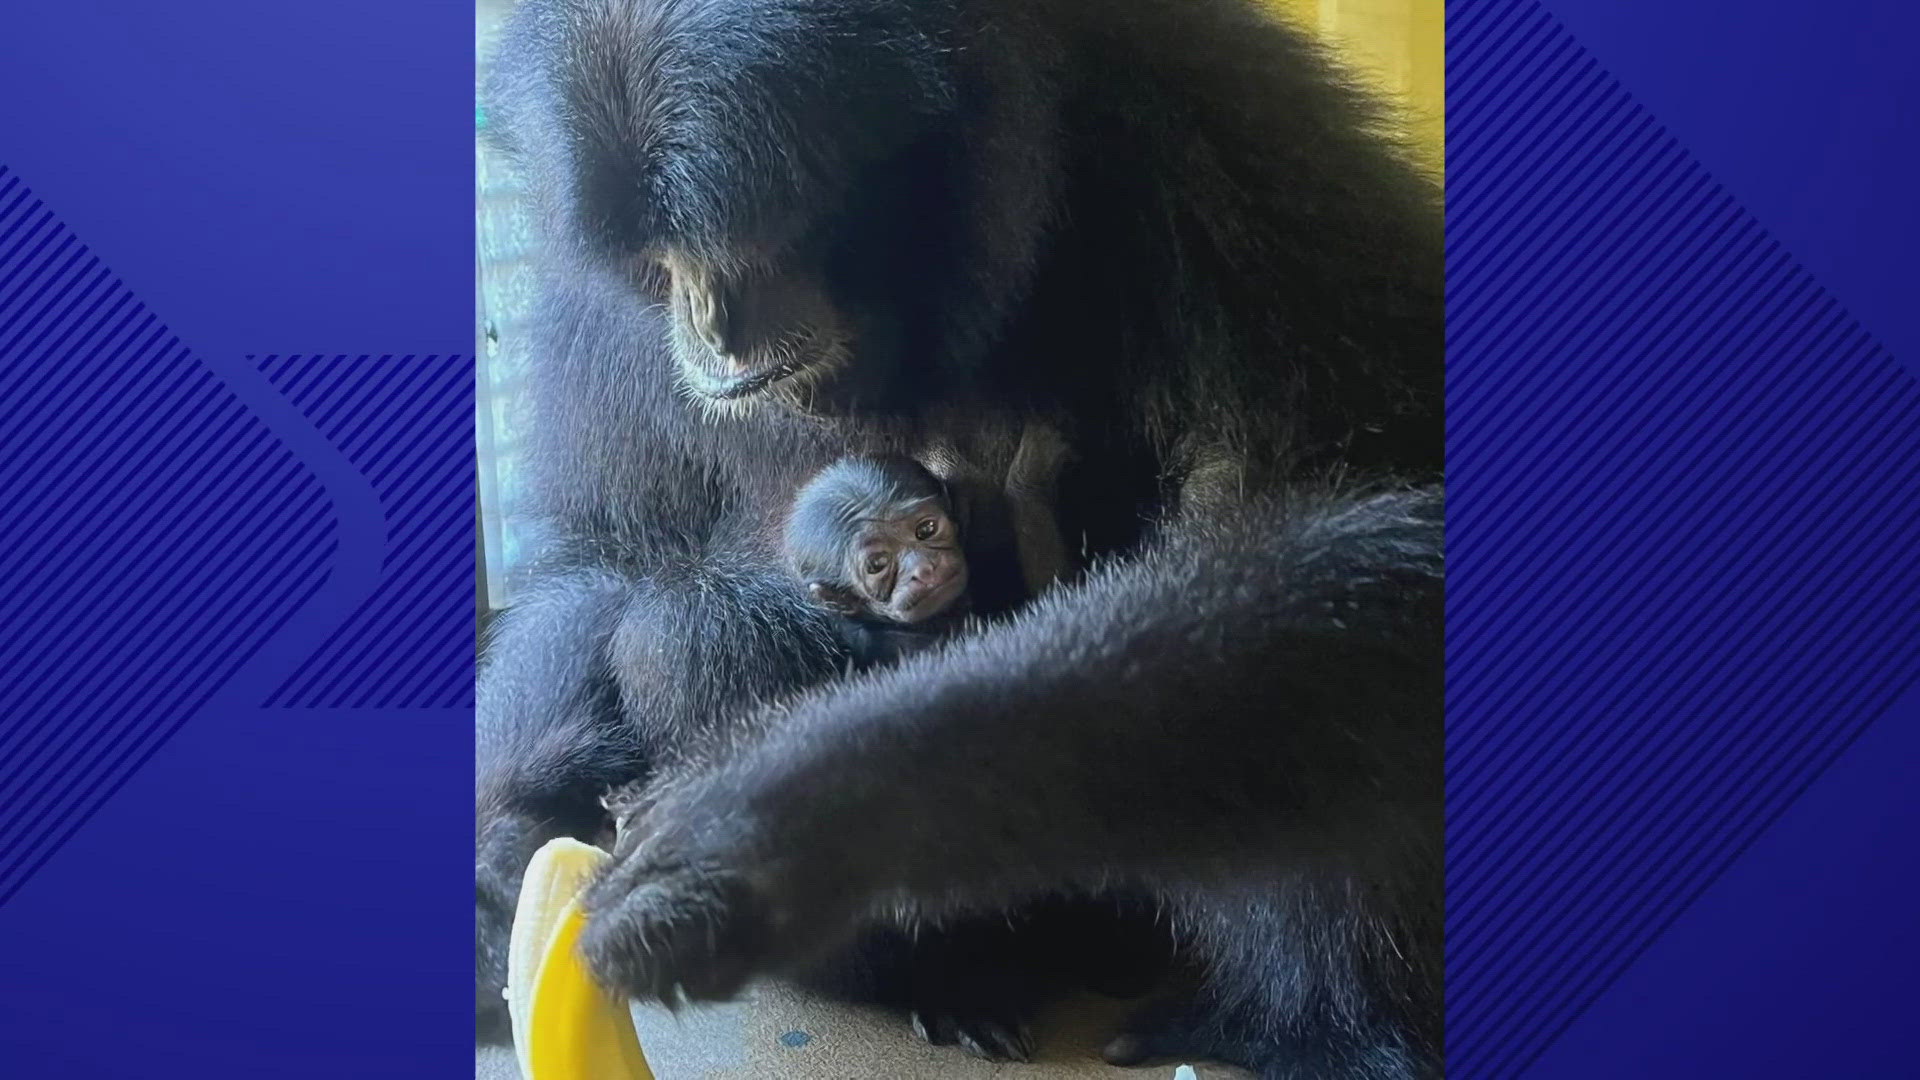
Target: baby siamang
{"points": [[882, 543]]}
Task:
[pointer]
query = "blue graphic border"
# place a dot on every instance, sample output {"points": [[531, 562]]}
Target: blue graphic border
{"points": [[1683, 704], [236, 402], [1684, 467]]}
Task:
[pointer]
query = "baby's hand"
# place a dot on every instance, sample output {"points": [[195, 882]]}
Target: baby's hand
{"points": [[1043, 453]]}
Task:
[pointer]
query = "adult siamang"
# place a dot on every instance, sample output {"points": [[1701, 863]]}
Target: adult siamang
{"points": [[778, 232]]}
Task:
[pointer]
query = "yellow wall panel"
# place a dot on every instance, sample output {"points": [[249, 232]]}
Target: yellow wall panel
{"points": [[1398, 44]]}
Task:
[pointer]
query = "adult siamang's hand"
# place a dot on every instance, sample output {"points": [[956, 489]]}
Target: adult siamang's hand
{"points": [[703, 896]]}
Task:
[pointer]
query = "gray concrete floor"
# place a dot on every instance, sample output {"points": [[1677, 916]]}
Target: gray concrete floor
{"points": [[777, 1032]]}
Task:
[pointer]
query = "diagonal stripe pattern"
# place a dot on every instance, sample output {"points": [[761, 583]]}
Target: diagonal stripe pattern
{"points": [[1670, 452], [406, 422], [155, 534]]}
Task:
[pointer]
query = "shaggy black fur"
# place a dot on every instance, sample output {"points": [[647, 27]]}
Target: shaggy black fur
{"points": [[782, 231]]}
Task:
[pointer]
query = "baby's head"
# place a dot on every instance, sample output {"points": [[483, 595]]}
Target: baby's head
{"points": [[875, 538]]}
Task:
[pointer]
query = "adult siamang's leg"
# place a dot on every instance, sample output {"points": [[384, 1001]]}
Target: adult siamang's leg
{"points": [[548, 739], [1245, 717], [709, 640], [597, 680], [1307, 979]]}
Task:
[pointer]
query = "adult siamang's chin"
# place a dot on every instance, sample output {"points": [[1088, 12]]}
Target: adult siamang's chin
{"points": [[808, 382], [743, 385], [830, 379], [809, 390]]}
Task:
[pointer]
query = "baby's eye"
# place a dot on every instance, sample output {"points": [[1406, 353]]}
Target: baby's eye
{"points": [[876, 564], [926, 530]]}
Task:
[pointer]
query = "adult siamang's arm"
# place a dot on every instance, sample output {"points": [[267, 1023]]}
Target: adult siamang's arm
{"points": [[1239, 692]]}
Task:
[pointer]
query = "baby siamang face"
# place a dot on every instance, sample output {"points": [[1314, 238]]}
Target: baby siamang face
{"points": [[910, 568]]}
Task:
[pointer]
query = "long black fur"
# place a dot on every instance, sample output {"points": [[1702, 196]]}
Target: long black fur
{"points": [[1170, 229]]}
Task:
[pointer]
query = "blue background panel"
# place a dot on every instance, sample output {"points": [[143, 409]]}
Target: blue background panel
{"points": [[1684, 450], [236, 458]]}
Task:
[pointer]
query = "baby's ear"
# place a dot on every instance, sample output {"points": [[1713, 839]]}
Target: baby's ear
{"points": [[839, 598]]}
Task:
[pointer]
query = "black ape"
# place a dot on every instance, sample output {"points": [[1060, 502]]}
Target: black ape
{"points": [[780, 232]]}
